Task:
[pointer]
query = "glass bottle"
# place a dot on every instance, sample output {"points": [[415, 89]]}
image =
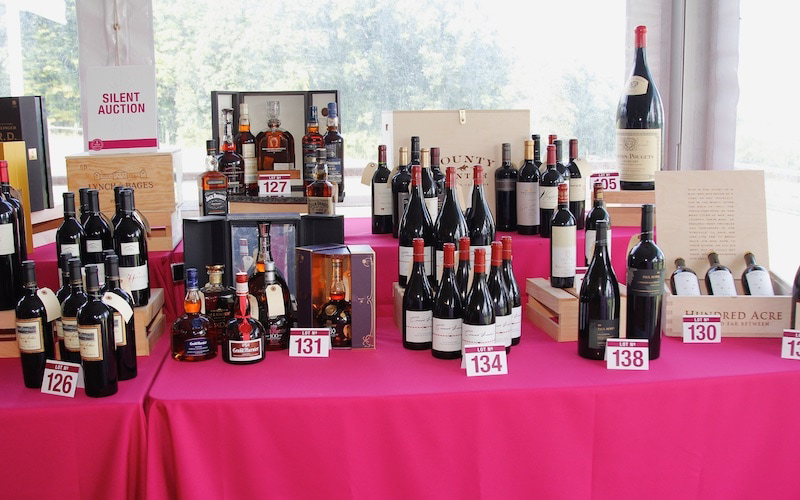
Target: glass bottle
{"points": [[417, 325], [478, 326], [124, 332], [381, 196], [464, 271], [245, 144], [336, 313], [70, 234], [596, 214], [10, 263], [5, 189], [480, 223], [99, 235], [96, 336], [448, 309], [319, 194], [219, 301], [577, 186], [438, 175], [719, 278], [755, 278], [401, 185], [192, 339], [537, 155], [34, 333], [450, 225], [312, 141], [548, 192], [61, 294], [498, 291], [334, 144], [528, 193], [243, 342], [229, 162], [683, 280], [428, 186], [213, 185], [416, 223], [277, 316], [599, 301], [71, 348], [275, 146], [505, 187], [257, 284], [515, 297], [130, 241], [563, 253]]}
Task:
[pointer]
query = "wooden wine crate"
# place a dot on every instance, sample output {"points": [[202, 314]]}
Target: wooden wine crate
{"points": [[625, 207], [166, 230], [555, 310], [8, 335]]}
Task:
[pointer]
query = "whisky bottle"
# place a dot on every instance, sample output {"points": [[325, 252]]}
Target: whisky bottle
{"points": [[213, 185], [336, 313], [243, 342], [312, 141], [334, 144], [34, 332], [218, 301], [277, 318], [230, 162], [245, 144], [319, 194], [192, 339], [124, 332], [257, 283], [275, 145]]}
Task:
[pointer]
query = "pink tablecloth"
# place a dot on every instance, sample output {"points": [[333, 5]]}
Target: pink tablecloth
{"points": [[55, 447]]}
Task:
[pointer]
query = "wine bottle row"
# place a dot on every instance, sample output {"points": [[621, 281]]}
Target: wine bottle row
{"points": [[719, 279]]}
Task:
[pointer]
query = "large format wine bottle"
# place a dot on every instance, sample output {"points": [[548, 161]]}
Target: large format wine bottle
{"points": [[478, 326], [401, 182], [416, 223], [418, 303], [645, 287], [448, 309], [683, 280], [464, 271], [99, 235], [10, 263], [596, 214], [504, 321], [514, 295], [719, 278], [577, 185], [130, 243], [548, 192], [640, 124], [96, 334], [124, 331], [505, 188], [755, 278], [5, 189], [70, 234], [562, 243], [71, 348], [599, 301], [438, 175], [528, 193], [34, 331], [450, 224], [381, 196], [480, 223]]}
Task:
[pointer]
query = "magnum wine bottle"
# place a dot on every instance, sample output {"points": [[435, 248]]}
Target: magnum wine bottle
{"points": [[124, 331], [70, 234], [599, 301], [99, 235], [480, 223], [755, 278], [683, 280], [719, 278], [505, 187], [562, 243], [381, 196], [478, 326], [416, 223], [548, 192], [450, 224], [5, 189], [418, 303], [528, 193], [448, 309], [498, 291], [577, 185], [514, 295], [71, 348], [596, 214], [640, 124], [645, 286], [10, 263], [131, 245], [401, 183], [34, 331], [96, 334]]}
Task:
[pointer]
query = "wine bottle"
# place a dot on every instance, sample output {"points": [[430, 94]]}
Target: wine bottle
{"points": [[401, 183], [528, 193], [464, 271], [577, 186], [130, 243], [795, 300], [448, 309], [450, 224], [480, 223], [548, 192], [645, 287], [243, 341], [416, 223], [124, 331], [505, 188], [83, 198], [192, 339], [70, 234], [96, 336], [277, 320], [563, 243], [514, 295], [5, 189], [438, 175], [683, 280], [117, 212], [640, 124], [478, 326], [99, 235], [599, 301], [61, 296], [755, 278], [71, 348], [504, 321], [34, 332], [10, 263], [719, 278], [334, 145], [381, 196], [428, 185], [418, 303], [596, 214], [537, 155], [562, 169]]}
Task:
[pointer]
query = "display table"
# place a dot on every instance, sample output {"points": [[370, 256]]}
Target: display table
{"points": [[56, 447]]}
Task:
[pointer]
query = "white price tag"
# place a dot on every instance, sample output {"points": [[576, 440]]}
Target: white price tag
{"points": [[790, 348], [274, 185], [52, 307], [116, 302], [61, 378], [702, 329], [483, 360], [609, 180], [627, 354], [309, 343]]}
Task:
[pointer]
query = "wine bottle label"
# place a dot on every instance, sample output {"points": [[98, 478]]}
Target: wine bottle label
{"points": [[275, 305], [91, 340], [636, 85], [73, 249], [447, 334], [7, 239], [759, 283], [563, 252], [59, 330], [516, 316], [30, 335], [70, 327], [577, 190], [94, 246], [528, 203], [504, 327], [722, 283], [321, 205], [196, 347], [382, 198], [432, 204], [686, 284], [120, 339], [134, 278], [649, 282], [505, 185], [245, 350], [250, 163], [418, 326], [638, 154], [600, 330], [590, 237], [405, 260], [477, 334], [402, 203], [548, 197], [131, 248]]}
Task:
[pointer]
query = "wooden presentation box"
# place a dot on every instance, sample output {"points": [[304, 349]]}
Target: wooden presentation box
{"points": [[700, 212], [625, 207]]}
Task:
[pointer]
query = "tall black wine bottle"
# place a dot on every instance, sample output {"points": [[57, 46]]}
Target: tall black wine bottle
{"points": [[577, 185], [416, 223], [10, 263], [562, 243], [418, 303], [448, 309], [498, 291], [83, 199], [596, 214], [514, 295], [71, 348], [428, 185], [450, 224], [480, 223], [70, 234], [5, 189], [99, 235], [478, 326], [528, 193], [537, 155], [599, 301], [124, 331], [505, 188], [560, 166], [61, 295], [130, 243], [548, 192], [438, 175], [755, 278], [640, 124], [464, 271], [34, 331], [401, 182], [381, 196], [645, 287], [96, 334]]}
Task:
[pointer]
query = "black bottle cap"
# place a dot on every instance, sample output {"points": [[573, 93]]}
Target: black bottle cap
{"points": [[28, 273], [92, 285], [69, 204], [83, 197], [93, 205], [112, 264], [74, 266], [648, 210], [211, 147], [126, 201]]}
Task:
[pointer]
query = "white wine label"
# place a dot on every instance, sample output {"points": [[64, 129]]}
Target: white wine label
{"points": [[94, 246], [516, 315], [686, 284], [275, 306], [722, 283], [120, 339], [418, 326], [759, 283], [7, 239], [59, 330], [504, 327], [119, 304], [91, 339], [447, 334], [636, 85], [131, 248], [600, 330], [51, 305], [548, 197], [528, 203], [638, 154], [382, 199], [250, 163], [73, 249], [477, 334], [245, 350], [70, 327], [30, 335], [320, 205], [134, 278], [577, 190], [432, 204], [563, 252]]}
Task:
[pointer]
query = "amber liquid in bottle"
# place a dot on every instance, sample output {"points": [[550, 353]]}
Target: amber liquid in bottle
{"points": [[245, 144], [243, 342], [192, 339], [219, 302], [336, 313], [275, 146], [319, 194]]}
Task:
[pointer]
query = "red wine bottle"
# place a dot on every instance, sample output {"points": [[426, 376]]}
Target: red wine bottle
{"points": [[99, 235], [438, 175], [563, 243], [450, 224], [514, 294], [448, 309], [124, 331], [130, 242], [755, 278], [71, 347], [61, 295], [537, 156], [401, 182], [428, 185], [683, 280], [34, 333], [498, 291], [478, 326], [381, 196], [464, 271], [577, 186], [719, 278], [599, 301], [83, 198], [562, 169], [416, 223], [528, 193], [480, 223], [645, 286], [96, 334], [548, 192], [640, 124], [5, 189], [596, 214], [418, 303], [10, 263], [70, 234], [505, 188]]}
